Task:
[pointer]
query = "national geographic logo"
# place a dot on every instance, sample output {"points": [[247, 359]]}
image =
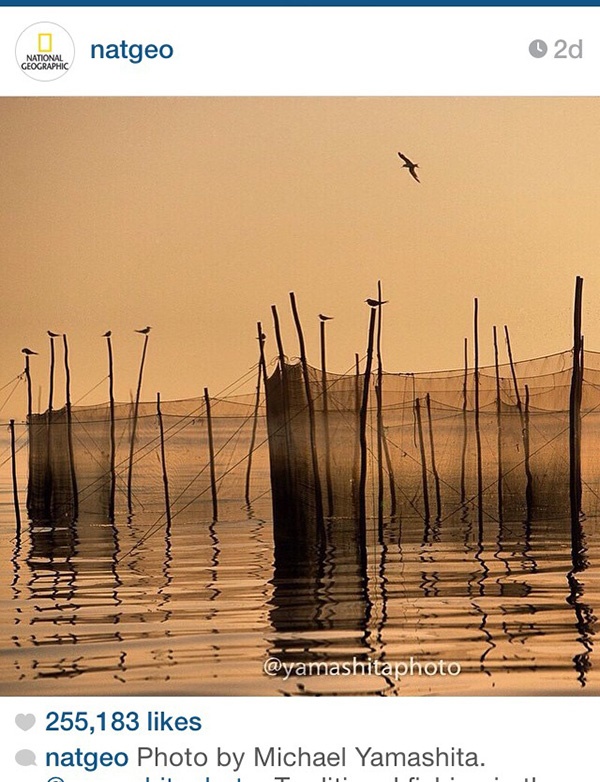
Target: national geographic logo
{"points": [[45, 51]]}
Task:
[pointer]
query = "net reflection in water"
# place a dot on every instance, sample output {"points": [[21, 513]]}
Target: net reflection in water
{"points": [[137, 604]]}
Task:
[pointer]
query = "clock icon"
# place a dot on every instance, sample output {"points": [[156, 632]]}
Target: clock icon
{"points": [[538, 48]]}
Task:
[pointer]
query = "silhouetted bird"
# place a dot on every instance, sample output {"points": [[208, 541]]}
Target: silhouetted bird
{"points": [[107, 334], [325, 317], [144, 331], [52, 334], [376, 302], [262, 337], [410, 165], [29, 352]]}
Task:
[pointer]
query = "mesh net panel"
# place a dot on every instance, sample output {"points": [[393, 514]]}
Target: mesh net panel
{"points": [[186, 444], [429, 451], [429, 455]]}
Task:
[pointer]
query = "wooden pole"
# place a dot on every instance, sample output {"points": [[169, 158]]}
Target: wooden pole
{"points": [[15, 487], [134, 426], [311, 412], [362, 481], [423, 459], [211, 455], [390, 469], [463, 463], [528, 476], [356, 454], [285, 409], [529, 487], [513, 372], [51, 379], [324, 394], [29, 391], [262, 372], [49, 431], [163, 460], [477, 421], [29, 430], [113, 445], [278, 339], [498, 424], [575, 419], [379, 404], [70, 427], [434, 470], [382, 444]]}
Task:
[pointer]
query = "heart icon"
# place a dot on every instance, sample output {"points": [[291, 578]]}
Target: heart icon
{"points": [[25, 721]]}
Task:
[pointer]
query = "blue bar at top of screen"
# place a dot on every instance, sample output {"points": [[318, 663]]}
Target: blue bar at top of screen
{"points": [[297, 4]]}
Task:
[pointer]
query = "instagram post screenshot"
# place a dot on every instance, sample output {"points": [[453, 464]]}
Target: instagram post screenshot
{"points": [[299, 393]]}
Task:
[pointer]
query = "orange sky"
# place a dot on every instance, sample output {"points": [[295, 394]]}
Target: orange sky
{"points": [[195, 215]]}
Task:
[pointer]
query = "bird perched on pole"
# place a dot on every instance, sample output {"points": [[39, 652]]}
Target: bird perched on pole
{"points": [[410, 165], [325, 317], [376, 302], [107, 334], [29, 352], [52, 334], [143, 331]]}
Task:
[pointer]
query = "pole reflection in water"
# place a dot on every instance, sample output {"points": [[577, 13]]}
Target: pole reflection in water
{"points": [[320, 608]]}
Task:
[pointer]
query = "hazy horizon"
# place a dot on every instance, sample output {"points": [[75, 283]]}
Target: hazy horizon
{"points": [[195, 215]]}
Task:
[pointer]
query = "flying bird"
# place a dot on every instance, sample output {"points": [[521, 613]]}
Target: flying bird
{"points": [[29, 352], [376, 302], [144, 331], [107, 334], [410, 165], [52, 334], [325, 317]]}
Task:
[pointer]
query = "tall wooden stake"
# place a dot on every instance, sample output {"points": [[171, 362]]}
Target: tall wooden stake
{"points": [[364, 408], [211, 455], [311, 413], [390, 469], [324, 394], [134, 421], [49, 431], [529, 488], [477, 422], [528, 476], [423, 459], [113, 444], [463, 461], [29, 430], [285, 398], [262, 377], [356, 455], [434, 470], [278, 339], [29, 390], [163, 460], [498, 424], [575, 419], [379, 402], [51, 379], [70, 428], [15, 487]]}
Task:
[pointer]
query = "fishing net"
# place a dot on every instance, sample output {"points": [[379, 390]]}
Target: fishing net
{"points": [[432, 449], [87, 465]]}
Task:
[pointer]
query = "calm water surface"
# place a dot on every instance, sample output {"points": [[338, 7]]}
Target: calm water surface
{"points": [[196, 607]]}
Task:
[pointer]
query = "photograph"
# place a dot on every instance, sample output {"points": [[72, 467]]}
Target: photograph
{"points": [[300, 396]]}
